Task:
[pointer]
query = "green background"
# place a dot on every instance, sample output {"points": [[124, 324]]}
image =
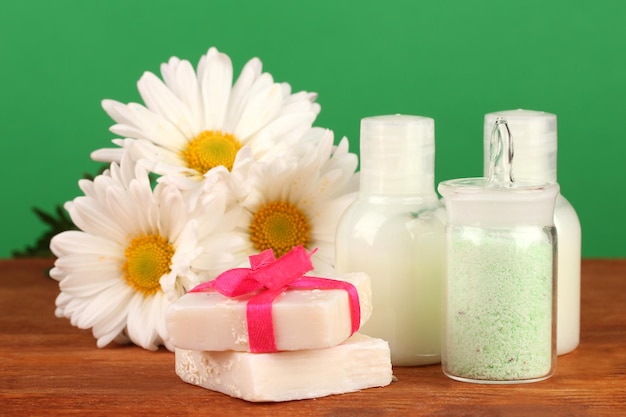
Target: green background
{"points": [[450, 60]]}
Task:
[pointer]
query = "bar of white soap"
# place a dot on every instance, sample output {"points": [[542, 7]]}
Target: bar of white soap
{"points": [[358, 363], [303, 319]]}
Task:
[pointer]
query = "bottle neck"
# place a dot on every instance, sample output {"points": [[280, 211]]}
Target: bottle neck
{"points": [[413, 200], [395, 184]]}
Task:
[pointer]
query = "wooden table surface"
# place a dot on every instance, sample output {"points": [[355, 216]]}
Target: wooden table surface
{"points": [[51, 368]]}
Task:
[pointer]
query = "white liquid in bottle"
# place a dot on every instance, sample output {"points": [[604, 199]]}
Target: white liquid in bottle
{"points": [[394, 232]]}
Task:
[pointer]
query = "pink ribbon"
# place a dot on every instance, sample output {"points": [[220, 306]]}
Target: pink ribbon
{"points": [[269, 277]]}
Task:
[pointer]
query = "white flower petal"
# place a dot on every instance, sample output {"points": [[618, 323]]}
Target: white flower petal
{"points": [[215, 82], [181, 78], [110, 330], [89, 217], [116, 110], [249, 74], [89, 284], [86, 263], [107, 155], [128, 131], [158, 159], [155, 127], [143, 313], [259, 110], [160, 100], [266, 141], [95, 310], [175, 219], [73, 241]]}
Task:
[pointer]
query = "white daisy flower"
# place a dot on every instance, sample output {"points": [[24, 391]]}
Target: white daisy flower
{"points": [[297, 199], [133, 256], [194, 122]]}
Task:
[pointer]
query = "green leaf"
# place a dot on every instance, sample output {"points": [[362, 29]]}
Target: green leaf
{"points": [[58, 221]]}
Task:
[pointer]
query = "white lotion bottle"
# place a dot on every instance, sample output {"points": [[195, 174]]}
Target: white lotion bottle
{"points": [[395, 232], [535, 136]]}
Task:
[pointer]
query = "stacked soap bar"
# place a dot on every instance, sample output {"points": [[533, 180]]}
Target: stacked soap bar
{"points": [[316, 354], [358, 363]]}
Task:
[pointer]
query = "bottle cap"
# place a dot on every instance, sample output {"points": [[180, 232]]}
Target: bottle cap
{"points": [[535, 143], [397, 155]]}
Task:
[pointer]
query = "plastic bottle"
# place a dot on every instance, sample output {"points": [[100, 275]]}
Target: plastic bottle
{"points": [[394, 232], [535, 136]]}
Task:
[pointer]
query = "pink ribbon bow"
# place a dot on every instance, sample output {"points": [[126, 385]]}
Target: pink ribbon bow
{"points": [[269, 277]]}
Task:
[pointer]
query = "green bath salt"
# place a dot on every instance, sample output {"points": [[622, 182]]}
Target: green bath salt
{"points": [[499, 305]]}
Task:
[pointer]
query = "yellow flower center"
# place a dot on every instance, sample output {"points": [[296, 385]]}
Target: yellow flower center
{"points": [[211, 148], [279, 226], [148, 258]]}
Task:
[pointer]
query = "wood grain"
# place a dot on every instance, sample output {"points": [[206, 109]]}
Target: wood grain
{"points": [[51, 368]]}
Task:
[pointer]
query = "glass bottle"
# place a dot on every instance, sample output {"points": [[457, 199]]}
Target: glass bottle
{"points": [[535, 135], [394, 232], [499, 320]]}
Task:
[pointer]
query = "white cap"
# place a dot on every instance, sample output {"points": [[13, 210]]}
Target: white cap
{"points": [[397, 155], [534, 135], [477, 202]]}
